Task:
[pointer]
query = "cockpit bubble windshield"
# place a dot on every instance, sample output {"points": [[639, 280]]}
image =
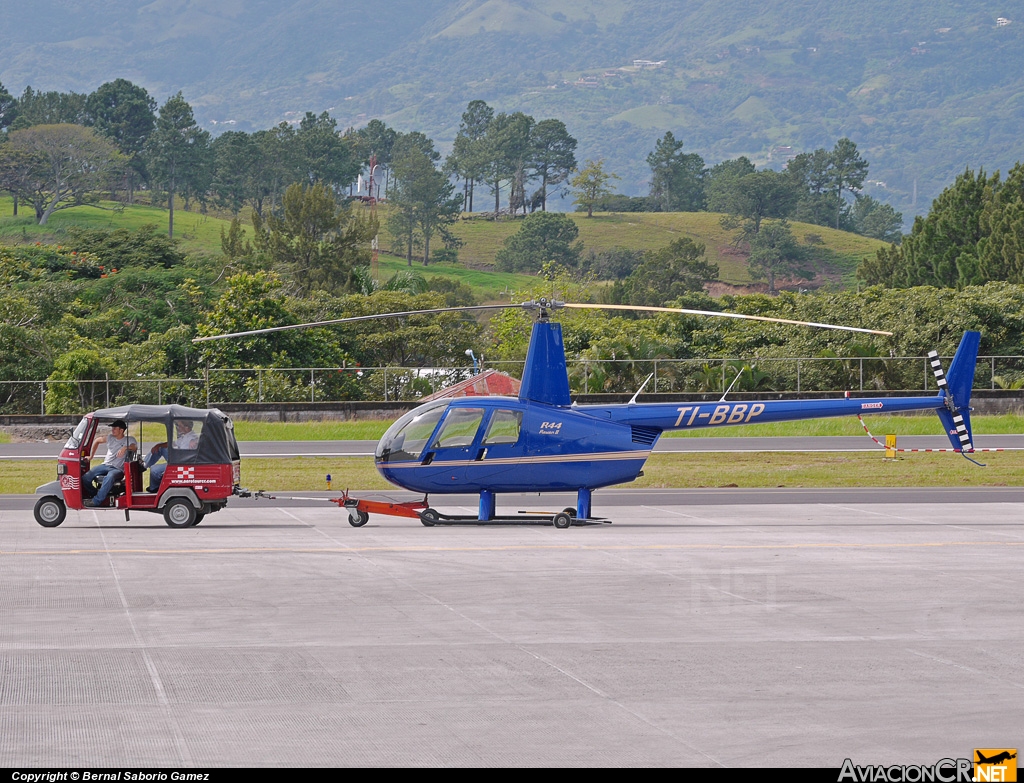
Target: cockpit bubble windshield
{"points": [[407, 437]]}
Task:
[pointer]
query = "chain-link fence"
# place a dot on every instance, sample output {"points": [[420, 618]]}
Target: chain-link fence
{"points": [[342, 384]]}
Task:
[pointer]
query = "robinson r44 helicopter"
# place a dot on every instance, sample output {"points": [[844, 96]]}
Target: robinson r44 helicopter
{"points": [[543, 442]]}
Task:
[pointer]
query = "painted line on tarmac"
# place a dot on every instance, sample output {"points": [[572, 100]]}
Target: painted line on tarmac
{"points": [[512, 548]]}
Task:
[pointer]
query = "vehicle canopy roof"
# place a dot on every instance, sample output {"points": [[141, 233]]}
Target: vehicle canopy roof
{"points": [[217, 443]]}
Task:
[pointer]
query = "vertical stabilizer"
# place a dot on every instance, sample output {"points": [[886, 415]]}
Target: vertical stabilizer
{"points": [[956, 418], [545, 378]]}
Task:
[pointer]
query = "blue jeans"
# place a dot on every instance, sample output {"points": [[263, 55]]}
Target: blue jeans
{"points": [[156, 472], [110, 476]]}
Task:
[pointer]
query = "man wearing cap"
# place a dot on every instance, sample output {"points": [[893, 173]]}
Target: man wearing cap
{"points": [[119, 443]]}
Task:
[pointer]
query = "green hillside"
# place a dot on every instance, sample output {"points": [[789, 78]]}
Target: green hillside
{"points": [[837, 254], [197, 232], [924, 89]]}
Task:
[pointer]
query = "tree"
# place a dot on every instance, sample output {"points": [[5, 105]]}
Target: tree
{"points": [[125, 114], [763, 194], [848, 172], [677, 181], [773, 252], [316, 242], [666, 274], [376, 140], [422, 196], [872, 218], [468, 159], [8, 108], [235, 157], [553, 155], [176, 150], [51, 108], [506, 151], [811, 175], [325, 156], [720, 183], [57, 166], [543, 237], [590, 185]]}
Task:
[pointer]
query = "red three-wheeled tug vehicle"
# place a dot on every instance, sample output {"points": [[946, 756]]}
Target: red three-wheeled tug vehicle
{"points": [[201, 472]]}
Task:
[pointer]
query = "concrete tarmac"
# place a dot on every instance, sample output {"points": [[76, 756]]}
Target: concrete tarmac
{"points": [[713, 629]]}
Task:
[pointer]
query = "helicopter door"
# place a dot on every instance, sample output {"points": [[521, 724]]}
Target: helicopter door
{"points": [[501, 446], [451, 450]]}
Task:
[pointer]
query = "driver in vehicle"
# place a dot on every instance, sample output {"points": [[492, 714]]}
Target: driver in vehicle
{"points": [[186, 440], [119, 444]]}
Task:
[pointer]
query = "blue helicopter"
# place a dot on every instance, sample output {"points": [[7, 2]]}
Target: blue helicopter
{"points": [[541, 441]]}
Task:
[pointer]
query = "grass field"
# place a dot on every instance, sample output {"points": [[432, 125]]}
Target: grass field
{"points": [[685, 471], [197, 232]]}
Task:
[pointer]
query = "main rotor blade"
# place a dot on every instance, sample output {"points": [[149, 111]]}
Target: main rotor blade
{"points": [[357, 318], [724, 315]]}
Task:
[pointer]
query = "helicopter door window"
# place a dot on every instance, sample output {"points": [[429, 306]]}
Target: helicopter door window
{"points": [[503, 428], [459, 428]]}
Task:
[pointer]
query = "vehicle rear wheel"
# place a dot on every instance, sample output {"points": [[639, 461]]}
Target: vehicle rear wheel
{"points": [[358, 518], [50, 511], [179, 512], [570, 511], [429, 517], [562, 521]]}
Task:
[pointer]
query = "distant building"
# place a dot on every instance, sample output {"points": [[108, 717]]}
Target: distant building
{"points": [[1002, 21], [648, 65], [487, 383]]}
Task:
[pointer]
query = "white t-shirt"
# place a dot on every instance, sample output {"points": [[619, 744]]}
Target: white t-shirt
{"points": [[187, 440], [114, 446]]}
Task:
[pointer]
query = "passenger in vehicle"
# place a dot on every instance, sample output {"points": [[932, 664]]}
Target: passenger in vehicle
{"points": [[186, 440]]}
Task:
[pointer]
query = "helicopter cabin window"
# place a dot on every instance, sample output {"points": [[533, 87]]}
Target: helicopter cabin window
{"points": [[459, 428], [504, 427], [406, 438]]}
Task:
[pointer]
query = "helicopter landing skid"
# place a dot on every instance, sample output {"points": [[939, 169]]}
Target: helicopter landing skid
{"points": [[359, 514], [523, 518]]}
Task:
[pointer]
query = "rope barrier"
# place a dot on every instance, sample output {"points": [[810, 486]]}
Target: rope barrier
{"points": [[953, 451]]}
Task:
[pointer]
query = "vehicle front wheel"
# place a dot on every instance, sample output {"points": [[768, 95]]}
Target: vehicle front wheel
{"points": [[562, 521], [50, 511], [429, 517], [199, 518], [179, 512]]}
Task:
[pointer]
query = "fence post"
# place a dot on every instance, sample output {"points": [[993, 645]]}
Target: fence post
{"points": [[207, 374], [797, 376], [42, 398], [107, 376], [993, 374], [385, 384], [312, 386], [723, 376], [655, 376], [862, 375]]}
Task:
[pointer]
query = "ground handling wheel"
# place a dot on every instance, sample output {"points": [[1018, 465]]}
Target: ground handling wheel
{"points": [[357, 518], [50, 511], [179, 512], [429, 517], [562, 521], [570, 511]]}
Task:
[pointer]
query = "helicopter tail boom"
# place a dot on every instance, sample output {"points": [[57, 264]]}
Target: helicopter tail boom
{"points": [[951, 404]]}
